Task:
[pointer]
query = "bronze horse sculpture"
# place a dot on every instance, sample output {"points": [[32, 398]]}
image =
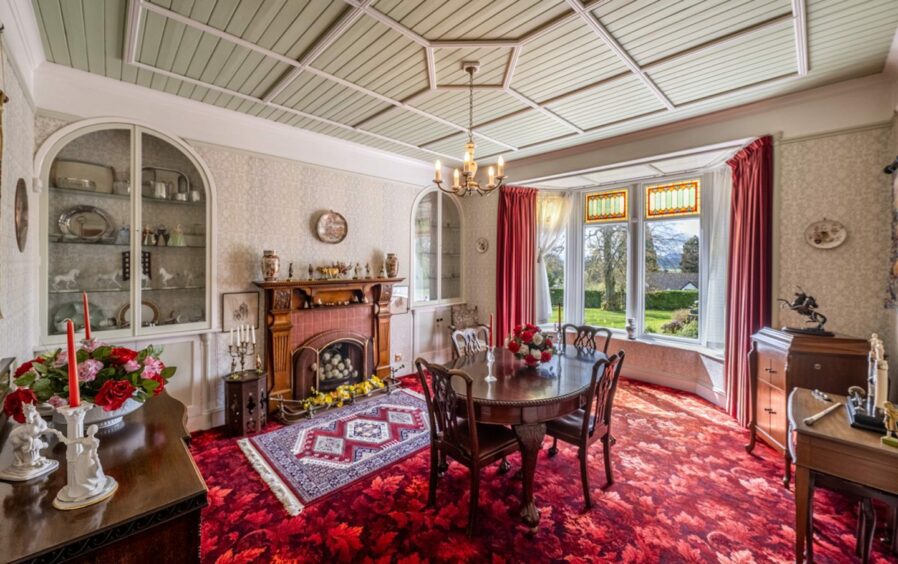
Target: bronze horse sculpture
{"points": [[806, 306]]}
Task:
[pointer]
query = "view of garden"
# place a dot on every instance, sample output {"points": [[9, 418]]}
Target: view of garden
{"points": [[671, 271]]}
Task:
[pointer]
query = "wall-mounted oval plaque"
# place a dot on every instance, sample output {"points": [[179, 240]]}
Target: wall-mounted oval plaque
{"points": [[331, 227], [21, 205]]}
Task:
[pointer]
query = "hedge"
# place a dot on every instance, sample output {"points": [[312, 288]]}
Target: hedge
{"points": [[666, 300]]}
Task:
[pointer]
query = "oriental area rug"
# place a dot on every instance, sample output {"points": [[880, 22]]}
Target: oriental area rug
{"points": [[312, 459], [685, 491]]}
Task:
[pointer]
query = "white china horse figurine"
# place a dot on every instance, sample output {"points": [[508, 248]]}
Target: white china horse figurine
{"points": [[144, 280], [166, 277], [110, 280], [68, 278]]}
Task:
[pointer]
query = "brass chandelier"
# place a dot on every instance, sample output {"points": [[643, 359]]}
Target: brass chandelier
{"points": [[464, 182]]}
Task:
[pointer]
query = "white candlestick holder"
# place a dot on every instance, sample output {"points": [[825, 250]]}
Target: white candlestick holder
{"points": [[490, 359], [87, 484]]}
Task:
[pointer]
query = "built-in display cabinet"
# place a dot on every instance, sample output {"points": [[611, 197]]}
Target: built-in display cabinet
{"points": [[126, 217], [437, 244]]}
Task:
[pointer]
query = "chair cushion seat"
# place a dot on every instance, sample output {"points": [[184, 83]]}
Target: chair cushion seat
{"points": [[568, 426], [490, 438]]}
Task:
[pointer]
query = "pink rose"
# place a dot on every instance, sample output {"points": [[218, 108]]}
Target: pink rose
{"points": [[131, 366], [62, 358], [57, 401], [87, 370], [153, 365]]}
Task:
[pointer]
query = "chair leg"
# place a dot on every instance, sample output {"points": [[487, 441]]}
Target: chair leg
{"points": [[606, 451], [475, 495], [444, 464], [894, 529], [553, 450], [869, 529], [504, 466], [432, 490], [584, 477]]}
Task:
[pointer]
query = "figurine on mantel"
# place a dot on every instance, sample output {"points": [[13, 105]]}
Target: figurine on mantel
{"points": [[805, 305], [311, 272], [383, 271], [367, 270], [290, 272], [27, 444], [357, 272]]}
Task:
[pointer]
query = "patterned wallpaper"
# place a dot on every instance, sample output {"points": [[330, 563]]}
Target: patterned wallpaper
{"points": [[18, 291], [837, 177], [480, 270]]}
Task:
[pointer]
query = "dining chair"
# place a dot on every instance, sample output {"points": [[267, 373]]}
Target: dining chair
{"points": [[462, 438], [592, 422], [585, 338], [471, 340]]}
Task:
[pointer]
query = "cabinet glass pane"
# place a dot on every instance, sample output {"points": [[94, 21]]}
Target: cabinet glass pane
{"points": [[451, 250], [426, 244], [88, 228], [172, 235]]}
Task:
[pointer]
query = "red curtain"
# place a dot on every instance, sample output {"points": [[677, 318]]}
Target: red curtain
{"points": [[749, 284], [516, 259]]}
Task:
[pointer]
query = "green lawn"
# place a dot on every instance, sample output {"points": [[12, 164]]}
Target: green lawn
{"points": [[618, 319]]}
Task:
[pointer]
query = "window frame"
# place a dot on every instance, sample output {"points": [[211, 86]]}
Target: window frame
{"points": [[574, 295]]}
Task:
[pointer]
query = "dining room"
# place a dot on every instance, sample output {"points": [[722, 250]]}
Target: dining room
{"points": [[448, 280]]}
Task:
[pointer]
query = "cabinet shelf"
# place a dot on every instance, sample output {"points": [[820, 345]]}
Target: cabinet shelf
{"points": [[112, 195], [113, 244], [122, 290]]}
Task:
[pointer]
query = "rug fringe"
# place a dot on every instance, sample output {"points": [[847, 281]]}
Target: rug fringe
{"points": [[270, 477]]}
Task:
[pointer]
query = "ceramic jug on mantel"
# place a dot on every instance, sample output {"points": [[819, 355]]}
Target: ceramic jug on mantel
{"points": [[271, 265]]}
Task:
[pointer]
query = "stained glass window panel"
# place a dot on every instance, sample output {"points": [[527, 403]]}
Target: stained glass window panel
{"points": [[606, 206], [677, 199]]}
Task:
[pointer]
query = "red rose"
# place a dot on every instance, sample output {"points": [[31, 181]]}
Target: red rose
{"points": [[161, 386], [122, 355], [527, 336], [14, 401], [514, 346], [548, 343], [24, 368], [531, 360], [114, 393], [518, 329], [546, 356]]}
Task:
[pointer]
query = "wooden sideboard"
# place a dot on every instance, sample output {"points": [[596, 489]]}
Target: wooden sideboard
{"points": [[153, 517], [780, 361]]}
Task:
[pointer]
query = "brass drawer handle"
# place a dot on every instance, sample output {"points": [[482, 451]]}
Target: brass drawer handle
{"points": [[770, 370]]}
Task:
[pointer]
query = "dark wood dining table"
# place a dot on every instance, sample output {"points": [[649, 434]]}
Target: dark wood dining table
{"points": [[526, 398]]}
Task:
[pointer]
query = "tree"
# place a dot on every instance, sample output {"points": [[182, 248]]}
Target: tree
{"points": [[689, 258], [651, 255], [605, 265]]}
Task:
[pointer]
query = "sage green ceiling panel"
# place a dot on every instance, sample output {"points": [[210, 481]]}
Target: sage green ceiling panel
{"points": [[652, 30], [327, 99], [525, 129], [473, 19], [376, 57], [848, 32], [565, 59], [50, 19], [751, 59], [410, 127], [611, 102], [453, 105], [493, 63]]}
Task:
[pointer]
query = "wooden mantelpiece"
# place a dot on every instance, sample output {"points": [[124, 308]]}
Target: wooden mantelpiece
{"points": [[296, 310]]}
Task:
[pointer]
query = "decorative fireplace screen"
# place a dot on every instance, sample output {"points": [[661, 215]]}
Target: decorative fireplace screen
{"points": [[331, 359]]}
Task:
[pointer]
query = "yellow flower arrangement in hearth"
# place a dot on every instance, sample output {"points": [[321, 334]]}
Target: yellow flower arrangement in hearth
{"points": [[342, 394]]}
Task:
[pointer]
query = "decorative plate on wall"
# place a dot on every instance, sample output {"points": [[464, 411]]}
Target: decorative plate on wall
{"points": [[21, 214], [149, 314], [331, 227], [482, 245], [825, 234]]}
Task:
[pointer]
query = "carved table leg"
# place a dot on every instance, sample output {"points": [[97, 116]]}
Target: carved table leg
{"points": [[803, 501], [531, 438]]}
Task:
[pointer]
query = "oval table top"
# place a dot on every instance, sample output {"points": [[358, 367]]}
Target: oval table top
{"points": [[565, 376]]}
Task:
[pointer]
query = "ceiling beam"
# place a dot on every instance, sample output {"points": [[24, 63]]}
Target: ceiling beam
{"points": [[431, 68], [510, 66], [799, 12], [618, 50], [542, 109], [134, 13]]}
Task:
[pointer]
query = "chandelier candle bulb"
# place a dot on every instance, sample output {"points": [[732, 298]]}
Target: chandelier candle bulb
{"points": [[437, 173], [492, 175], [500, 167], [455, 179]]}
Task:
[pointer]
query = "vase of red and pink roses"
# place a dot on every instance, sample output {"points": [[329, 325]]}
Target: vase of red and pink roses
{"points": [[117, 380], [530, 344]]}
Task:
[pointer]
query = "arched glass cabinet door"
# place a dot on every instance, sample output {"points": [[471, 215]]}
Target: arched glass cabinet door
{"points": [[437, 244], [127, 219]]}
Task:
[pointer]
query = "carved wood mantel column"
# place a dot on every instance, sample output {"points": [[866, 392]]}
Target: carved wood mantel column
{"points": [[296, 310]]}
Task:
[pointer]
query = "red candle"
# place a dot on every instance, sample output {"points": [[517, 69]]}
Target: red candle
{"points": [[86, 316], [491, 330], [74, 391]]}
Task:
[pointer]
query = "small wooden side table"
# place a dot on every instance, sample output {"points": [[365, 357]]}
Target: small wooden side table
{"points": [[246, 396]]}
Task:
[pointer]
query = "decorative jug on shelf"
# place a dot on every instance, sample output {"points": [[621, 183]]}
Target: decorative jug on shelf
{"points": [[271, 264], [392, 265]]}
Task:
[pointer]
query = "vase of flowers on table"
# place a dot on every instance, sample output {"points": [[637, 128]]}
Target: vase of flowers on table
{"points": [[117, 380], [530, 344]]}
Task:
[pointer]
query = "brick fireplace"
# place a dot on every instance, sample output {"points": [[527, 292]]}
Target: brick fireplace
{"points": [[307, 320]]}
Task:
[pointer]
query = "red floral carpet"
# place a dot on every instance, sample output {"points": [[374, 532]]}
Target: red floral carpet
{"points": [[686, 491]]}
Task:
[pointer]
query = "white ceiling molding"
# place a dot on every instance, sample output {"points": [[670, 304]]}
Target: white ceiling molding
{"points": [[22, 40], [77, 94], [799, 12]]}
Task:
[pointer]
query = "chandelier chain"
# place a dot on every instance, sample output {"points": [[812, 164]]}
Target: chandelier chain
{"points": [[471, 105]]}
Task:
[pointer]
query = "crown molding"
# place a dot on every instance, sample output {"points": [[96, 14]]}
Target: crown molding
{"points": [[66, 91], [22, 40]]}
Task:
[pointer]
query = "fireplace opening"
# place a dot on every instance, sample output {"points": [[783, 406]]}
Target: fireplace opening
{"points": [[339, 364], [329, 360]]}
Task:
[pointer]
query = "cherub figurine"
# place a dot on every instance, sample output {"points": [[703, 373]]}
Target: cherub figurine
{"points": [[890, 421], [89, 478], [27, 444]]}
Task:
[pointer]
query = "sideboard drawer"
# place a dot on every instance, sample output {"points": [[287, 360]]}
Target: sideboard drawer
{"points": [[771, 367]]}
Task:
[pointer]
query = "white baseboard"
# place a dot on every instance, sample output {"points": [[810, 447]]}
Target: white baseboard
{"points": [[687, 385]]}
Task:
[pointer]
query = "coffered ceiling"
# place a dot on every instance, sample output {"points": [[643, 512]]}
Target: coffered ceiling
{"points": [[553, 73]]}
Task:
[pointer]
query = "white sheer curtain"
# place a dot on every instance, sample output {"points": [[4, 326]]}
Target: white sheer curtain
{"points": [[714, 314], [552, 212]]}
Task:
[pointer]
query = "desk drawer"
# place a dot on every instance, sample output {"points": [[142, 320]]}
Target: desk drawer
{"points": [[771, 366]]}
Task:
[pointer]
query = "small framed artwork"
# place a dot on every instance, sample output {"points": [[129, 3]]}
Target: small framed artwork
{"points": [[399, 299], [239, 308]]}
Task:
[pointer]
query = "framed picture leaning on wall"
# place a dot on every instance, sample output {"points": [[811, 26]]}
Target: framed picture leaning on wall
{"points": [[239, 308]]}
